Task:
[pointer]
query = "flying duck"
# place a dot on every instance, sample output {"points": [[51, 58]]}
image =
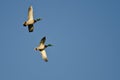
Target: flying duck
{"points": [[30, 22], [42, 48]]}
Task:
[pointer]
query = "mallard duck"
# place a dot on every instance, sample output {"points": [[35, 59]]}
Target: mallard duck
{"points": [[30, 20], [42, 48]]}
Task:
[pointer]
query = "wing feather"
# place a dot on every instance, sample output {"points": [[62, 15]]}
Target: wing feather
{"points": [[31, 28], [30, 13], [44, 55], [42, 42]]}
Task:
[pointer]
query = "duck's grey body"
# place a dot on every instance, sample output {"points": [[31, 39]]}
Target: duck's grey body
{"points": [[30, 22], [42, 47]]}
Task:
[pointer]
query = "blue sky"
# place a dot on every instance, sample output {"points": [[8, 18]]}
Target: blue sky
{"points": [[85, 35]]}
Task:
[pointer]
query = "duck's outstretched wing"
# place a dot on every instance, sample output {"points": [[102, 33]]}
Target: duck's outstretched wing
{"points": [[30, 13], [42, 42], [44, 55], [30, 28]]}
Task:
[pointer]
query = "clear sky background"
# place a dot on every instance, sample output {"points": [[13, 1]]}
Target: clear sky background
{"points": [[85, 35]]}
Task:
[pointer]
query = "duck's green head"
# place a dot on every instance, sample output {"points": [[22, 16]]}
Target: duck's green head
{"points": [[38, 19], [49, 45]]}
